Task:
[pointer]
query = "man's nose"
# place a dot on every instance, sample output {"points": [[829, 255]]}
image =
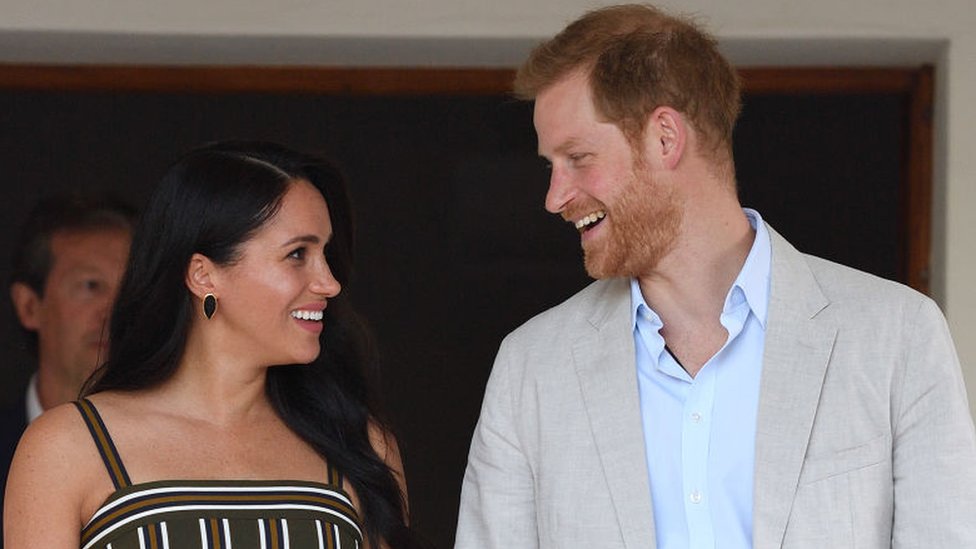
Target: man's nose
{"points": [[560, 191]]}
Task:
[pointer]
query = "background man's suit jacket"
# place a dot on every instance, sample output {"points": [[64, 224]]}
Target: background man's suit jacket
{"points": [[864, 437], [13, 421]]}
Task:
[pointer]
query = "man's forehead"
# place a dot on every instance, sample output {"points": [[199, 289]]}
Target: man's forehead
{"points": [[89, 245], [568, 119], [560, 105], [90, 233]]}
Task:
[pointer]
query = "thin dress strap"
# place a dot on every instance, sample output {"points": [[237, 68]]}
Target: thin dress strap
{"points": [[110, 456], [335, 477]]}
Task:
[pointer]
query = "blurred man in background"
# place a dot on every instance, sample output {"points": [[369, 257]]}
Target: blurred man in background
{"points": [[67, 266]]}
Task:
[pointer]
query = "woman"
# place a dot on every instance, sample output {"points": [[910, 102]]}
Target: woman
{"points": [[233, 409]]}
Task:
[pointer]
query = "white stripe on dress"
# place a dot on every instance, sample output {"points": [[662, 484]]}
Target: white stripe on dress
{"points": [[260, 507], [284, 534], [165, 534], [335, 531], [227, 534], [142, 537], [204, 544], [219, 489], [318, 530], [264, 540]]}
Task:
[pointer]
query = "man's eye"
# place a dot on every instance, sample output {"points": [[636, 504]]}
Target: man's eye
{"points": [[91, 285], [578, 157]]}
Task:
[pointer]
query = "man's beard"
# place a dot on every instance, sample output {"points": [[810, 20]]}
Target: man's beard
{"points": [[644, 224]]}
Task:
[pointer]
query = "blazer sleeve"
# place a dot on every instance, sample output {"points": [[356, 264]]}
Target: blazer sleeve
{"points": [[934, 445], [497, 496]]}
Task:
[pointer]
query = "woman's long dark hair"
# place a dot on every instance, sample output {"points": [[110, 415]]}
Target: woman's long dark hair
{"points": [[210, 202]]}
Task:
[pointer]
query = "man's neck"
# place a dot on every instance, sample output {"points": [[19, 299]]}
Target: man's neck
{"points": [[52, 391], [688, 288], [697, 274]]}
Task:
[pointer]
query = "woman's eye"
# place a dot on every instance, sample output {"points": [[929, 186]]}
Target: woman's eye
{"points": [[297, 253]]}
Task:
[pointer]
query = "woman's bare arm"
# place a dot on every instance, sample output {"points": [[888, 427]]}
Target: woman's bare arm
{"points": [[51, 483], [385, 445]]}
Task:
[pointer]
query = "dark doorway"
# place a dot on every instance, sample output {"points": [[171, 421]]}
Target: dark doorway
{"points": [[455, 249]]}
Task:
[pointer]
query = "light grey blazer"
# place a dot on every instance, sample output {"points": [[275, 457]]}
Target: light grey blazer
{"points": [[864, 437]]}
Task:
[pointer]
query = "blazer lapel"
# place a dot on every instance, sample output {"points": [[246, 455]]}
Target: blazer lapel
{"points": [[606, 367], [797, 349]]}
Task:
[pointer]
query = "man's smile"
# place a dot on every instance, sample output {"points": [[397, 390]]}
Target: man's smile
{"points": [[589, 221]]}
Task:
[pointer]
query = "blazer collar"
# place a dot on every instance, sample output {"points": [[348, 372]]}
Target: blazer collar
{"points": [[606, 367], [799, 341]]}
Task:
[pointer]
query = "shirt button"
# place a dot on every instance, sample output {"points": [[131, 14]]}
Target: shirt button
{"points": [[695, 497], [696, 417]]}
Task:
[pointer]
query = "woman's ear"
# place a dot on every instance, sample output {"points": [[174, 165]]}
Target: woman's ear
{"points": [[200, 275]]}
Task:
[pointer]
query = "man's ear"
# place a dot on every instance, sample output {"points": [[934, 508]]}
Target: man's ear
{"points": [[666, 136], [200, 274], [27, 304]]}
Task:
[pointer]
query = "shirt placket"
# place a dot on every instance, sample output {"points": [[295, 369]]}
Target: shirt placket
{"points": [[695, 441]]}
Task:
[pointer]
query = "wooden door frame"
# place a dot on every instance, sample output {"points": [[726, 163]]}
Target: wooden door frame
{"points": [[915, 215]]}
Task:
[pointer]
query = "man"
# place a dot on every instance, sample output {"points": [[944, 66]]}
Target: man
{"points": [[66, 271], [715, 387]]}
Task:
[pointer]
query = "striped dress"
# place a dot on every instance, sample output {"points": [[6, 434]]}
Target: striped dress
{"points": [[216, 514]]}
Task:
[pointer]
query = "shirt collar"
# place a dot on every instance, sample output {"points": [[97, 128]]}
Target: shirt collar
{"points": [[751, 283], [753, 279], [639, 306], [34, 408]]}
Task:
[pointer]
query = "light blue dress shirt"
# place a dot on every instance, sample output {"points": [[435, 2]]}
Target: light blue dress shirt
{"points": [[700, 432]]}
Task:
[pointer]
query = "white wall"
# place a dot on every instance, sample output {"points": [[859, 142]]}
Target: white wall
{"points": [[498, 32]]}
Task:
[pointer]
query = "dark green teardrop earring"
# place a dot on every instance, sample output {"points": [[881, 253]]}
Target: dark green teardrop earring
{"points": [[209, 305]]}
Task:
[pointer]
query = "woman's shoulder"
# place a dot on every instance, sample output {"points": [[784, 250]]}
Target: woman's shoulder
{"points": [[56, 468], [65, 426], [385, 445], [55, 431], [59, 442], [384, 442]]}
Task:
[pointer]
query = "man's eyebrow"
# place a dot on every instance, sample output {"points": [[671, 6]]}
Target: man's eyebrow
{"points": [[570, 143]]}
